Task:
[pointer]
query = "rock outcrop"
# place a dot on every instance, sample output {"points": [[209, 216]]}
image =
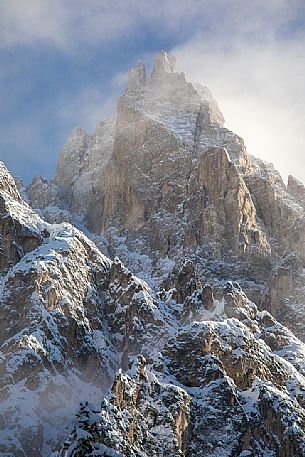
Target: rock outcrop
{"points": [[20, 229]]}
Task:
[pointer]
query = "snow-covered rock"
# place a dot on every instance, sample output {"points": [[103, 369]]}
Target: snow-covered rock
{"points": [[216, 376], [215, 387], [56, 343]]}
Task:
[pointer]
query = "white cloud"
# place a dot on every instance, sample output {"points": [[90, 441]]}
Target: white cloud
{"points": [[87, 108], [261, 91], [23, 22], [68, 24]]}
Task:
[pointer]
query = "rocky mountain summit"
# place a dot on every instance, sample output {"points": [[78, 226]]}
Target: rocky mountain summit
{"points": [[145, 313], [164, 180]]}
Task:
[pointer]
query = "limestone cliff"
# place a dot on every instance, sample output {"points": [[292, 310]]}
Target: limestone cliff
{"points": [[164, 179]]}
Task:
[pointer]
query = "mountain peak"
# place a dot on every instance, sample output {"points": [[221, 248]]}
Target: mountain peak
{"points": [[137, 76], [164, 63]]}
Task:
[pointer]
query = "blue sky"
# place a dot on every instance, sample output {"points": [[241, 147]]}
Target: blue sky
{"points": [[64, 62]]}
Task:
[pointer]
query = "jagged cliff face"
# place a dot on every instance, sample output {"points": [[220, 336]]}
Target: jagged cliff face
{"points": [[80, 176], [185, 362], [162, 157], [51, 325], [164, 179]]}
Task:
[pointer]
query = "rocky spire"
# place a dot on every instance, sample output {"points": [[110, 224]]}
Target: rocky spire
{"points": [[137, 76], [164, 78], [297, 190], [164, 63]]}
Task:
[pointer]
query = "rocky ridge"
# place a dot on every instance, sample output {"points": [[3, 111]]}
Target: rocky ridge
{"points": [[58, 340]]}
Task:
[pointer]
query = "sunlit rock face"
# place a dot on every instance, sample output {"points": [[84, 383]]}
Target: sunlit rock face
{"points": [[164, 180], [163, 344]]}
